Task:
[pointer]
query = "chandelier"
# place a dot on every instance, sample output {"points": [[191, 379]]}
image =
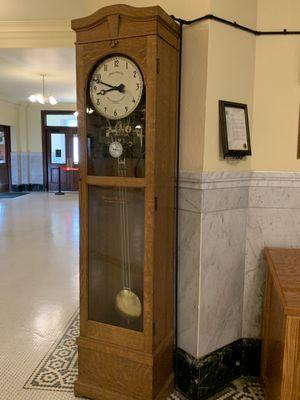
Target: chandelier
{"points": [[42, 98]]}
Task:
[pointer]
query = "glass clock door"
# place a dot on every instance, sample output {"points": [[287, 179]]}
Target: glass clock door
{"points": [[115, 123], [116, 256]]}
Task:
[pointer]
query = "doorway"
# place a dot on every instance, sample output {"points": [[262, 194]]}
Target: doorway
{"points": [[5, 149], [60, 150]]}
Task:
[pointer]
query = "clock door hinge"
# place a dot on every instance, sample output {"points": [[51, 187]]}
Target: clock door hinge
{"points": [[155, 203], [157, 65]]}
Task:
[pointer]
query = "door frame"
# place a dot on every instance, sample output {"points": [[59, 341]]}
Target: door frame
{"points": [[8, 153], [44, 114]]}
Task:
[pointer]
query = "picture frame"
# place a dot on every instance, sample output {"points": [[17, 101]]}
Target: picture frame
{"points": [[234, 129]]}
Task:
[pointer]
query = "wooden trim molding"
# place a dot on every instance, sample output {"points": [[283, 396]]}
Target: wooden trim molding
{"points": [[138, 13], [298, 152], [51, 33]]}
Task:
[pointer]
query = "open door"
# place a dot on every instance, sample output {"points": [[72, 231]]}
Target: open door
{"points": [[62, 151], [5, 149]]}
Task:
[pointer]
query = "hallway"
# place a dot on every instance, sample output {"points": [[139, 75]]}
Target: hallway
{"points": [[39, 235]]}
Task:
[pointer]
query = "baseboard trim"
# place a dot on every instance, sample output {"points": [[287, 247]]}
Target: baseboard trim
{"points": [[198, 379], [32, 187]]}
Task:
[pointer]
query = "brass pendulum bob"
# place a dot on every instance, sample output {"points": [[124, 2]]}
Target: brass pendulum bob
{"points": [[128, 303]]}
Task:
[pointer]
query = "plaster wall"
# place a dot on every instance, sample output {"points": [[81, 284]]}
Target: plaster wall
{"points": [[277, 89]]}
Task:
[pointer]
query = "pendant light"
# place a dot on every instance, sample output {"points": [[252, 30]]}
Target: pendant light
{"points": [[42, 98]]}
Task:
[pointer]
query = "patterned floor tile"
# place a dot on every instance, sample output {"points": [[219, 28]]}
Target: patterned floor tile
{"points": [[58, 371]]}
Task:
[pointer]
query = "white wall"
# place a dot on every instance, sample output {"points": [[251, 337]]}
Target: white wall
{"points": [[19, 10], [33, 123], [277, 88], [188, 9]]}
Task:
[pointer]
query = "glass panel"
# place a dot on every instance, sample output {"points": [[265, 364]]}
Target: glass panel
{"points": [[58, 148], [116, 256], [61, 120], [110, 140], [2, 148], [75, 150]]}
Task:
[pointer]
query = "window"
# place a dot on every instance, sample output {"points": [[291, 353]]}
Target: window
{"points": [[58, 148], [69, 120]]}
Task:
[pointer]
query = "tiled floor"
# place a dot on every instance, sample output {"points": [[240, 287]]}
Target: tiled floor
{"points": [[38, 285], [39, 294]]}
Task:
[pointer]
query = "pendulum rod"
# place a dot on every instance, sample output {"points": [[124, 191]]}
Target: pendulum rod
{"points": [[123, 198]]}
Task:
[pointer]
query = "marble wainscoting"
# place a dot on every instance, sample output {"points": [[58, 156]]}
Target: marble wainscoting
{"points": [[190, 199], [212, 227], [15, 158], [225, 221], [273, 221], [27, 171]]}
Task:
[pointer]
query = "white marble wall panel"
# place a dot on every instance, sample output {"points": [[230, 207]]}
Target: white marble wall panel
{"points": [[188, 281], [273, 221], [15, 168], [25, 168], [226, 219], [222, 278], [190, 200], [36, 168], [224, 199]]}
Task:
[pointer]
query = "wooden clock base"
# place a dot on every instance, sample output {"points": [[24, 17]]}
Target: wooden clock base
{"points": [[125, 374], [98, 393]]}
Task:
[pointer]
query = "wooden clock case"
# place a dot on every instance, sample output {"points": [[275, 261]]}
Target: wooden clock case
{"points": [[117, 363]]}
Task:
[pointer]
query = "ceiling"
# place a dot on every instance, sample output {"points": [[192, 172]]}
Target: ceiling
{"points": [[20, 71]]}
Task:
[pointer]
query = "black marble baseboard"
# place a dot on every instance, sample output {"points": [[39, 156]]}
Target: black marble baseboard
{"points": [[199, 379], [32, 187]]}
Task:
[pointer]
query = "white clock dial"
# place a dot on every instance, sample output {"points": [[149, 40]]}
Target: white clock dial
{"points": [[116, 87], [115, 149]]}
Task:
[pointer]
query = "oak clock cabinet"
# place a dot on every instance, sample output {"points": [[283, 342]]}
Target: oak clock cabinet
{"points": [[127, 89], [281, 333]]}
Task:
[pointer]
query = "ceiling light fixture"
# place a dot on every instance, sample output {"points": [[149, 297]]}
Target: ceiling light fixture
{"points": [[42, 98]]}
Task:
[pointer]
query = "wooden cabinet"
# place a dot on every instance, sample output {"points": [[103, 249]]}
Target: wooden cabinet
{"points": [[127, 87], [281, 334]]}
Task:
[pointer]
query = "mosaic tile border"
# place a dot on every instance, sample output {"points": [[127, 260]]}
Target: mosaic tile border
{"points": [[58, 369]]}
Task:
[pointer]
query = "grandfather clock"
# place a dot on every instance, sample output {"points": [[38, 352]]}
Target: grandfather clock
{"points": [[127, 84]]}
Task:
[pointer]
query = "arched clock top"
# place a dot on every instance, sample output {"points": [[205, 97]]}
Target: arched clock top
{"points": [[123, 10], [121, 21]]}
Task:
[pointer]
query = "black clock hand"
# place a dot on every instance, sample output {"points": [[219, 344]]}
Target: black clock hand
{"points": [[119, 88], [106, 84], [103, 92]]}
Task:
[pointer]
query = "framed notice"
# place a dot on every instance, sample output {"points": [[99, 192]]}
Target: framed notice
{"points": [[234, 129]]}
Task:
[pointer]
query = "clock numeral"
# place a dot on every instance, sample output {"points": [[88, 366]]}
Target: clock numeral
{"points": [[137, 86], [105, 67], [134, 74], [95, 87], [98, 102], [133, 100], [126, 109], [116, 63], [105, 109], [126, 65], [115, 113]]}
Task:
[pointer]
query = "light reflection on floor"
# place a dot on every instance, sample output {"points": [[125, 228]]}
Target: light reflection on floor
{"points": [[39, 272]]}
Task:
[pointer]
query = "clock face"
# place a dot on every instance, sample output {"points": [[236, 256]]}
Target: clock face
{"points": [[115, 149], [116, 87]]}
